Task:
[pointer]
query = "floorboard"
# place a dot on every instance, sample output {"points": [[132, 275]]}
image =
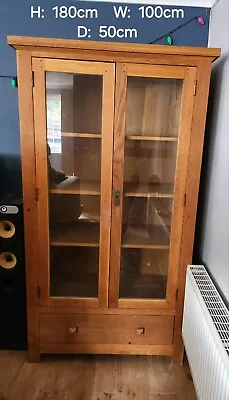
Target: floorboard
{"points": [[86, 377]]}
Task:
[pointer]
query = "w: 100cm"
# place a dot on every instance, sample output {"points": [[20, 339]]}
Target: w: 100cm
{"points": [[112, 32], [160, 12]]}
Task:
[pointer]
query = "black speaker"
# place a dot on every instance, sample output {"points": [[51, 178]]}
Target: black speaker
{"points": [[13, 332]]}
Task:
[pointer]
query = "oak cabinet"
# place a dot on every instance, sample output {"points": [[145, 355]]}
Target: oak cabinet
{"points": [[111, 140]]}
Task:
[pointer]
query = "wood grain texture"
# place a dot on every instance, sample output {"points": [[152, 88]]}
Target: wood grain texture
{"points": [[118, 165], [106, 181], [42, 179], [142, 303], [155, 71], [24, 63], [128, 349], [82, 67], [81, 135], [154, 138], [106, 46], [101, 377], [191, 190], [168, 62], [122, 57], [107, 311], [106, 329], [186, 113]]}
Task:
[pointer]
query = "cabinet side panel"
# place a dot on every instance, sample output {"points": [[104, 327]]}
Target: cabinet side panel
{"points": [[25, 91], [192, 188]]}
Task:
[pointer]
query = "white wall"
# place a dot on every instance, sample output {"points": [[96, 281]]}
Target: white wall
{"points": [[214, 215]]}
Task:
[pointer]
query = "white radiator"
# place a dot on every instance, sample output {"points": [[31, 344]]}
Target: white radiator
{"points": [[206, 335]]}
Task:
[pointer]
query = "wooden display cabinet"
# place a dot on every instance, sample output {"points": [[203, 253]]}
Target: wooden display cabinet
{"points": [[108, 238]]}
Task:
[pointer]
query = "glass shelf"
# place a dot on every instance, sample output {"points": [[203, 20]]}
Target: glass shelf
{"points": [[150, 237], [80, 233]]}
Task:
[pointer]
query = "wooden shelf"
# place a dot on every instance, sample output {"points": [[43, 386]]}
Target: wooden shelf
{"points": [[82, 135], [155, 138], [140, 237], [81, 233], [162, 190], [72, 185], [86, 234]]}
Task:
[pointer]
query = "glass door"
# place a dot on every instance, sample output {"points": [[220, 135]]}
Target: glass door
{"points": [[151, 140], [73, 107]]}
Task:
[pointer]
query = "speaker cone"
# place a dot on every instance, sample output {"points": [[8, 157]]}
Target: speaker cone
{"points": [[7, 260], [7, 229]]}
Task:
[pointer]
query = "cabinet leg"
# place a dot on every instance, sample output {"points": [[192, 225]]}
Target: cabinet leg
{"points": [[33, 354], [178, 353]]}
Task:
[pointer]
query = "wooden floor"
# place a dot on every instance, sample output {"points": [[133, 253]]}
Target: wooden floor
{"points": [[93, 378]]}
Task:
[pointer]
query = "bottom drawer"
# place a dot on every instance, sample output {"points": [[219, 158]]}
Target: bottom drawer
{"points": [[106, 329]]}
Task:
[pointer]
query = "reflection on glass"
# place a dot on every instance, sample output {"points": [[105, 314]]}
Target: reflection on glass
{"points": [[152, 128], [153, 106], [74, 123], [143, 273]]}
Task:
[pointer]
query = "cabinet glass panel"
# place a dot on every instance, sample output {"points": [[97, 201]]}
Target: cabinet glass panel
{"points": [[152, 129], [74, 131]]}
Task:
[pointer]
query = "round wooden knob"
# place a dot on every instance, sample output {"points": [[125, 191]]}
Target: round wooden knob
{"points": [[140, 331], [73, 330]]}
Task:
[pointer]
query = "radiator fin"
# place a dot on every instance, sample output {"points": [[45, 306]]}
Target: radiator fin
{"points": [[206, 335]]}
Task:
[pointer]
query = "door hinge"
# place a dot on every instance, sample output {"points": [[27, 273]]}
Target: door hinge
{"points": [[37, 194], [33, 79], [195, 85], [185, 199], [38, 292], [177, 294]]}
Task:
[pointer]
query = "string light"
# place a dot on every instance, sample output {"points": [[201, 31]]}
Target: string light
{"points": [[200, 20], [14, 82], [168, 36], [169, 40]]}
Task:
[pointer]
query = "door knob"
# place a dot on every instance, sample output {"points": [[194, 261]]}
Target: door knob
{"points": [[141, 331], [73, 330]]}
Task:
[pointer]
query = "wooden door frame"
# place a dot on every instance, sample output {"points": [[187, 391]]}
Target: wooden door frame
{"points": [[203, 74], [188, 75], [40, 66], [25, 97]]}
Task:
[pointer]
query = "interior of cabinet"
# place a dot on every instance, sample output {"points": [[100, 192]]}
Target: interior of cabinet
{"points": [[74, 197], [79, 158], [153, 107], [151, 139]]}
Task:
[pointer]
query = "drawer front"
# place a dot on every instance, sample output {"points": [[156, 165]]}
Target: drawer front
{"points": [[106, 329]]}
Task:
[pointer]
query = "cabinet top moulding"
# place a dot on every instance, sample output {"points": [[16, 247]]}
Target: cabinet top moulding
{"points": [[20, 42]]}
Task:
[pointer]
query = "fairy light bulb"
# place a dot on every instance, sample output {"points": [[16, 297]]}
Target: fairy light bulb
{"points": [[14, 82], [200, 20], [169, 40]]}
